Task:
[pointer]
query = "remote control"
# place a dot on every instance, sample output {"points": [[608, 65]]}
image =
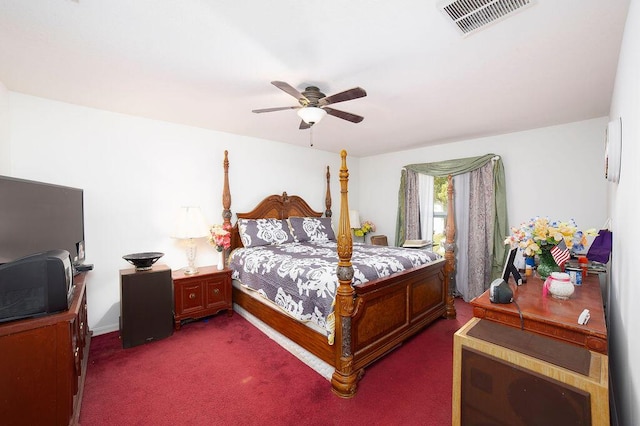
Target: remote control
{"points": [[583, 319], [84, 267]]}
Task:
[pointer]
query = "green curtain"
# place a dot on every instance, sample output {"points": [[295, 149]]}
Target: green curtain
{"points": [[457, 167]]}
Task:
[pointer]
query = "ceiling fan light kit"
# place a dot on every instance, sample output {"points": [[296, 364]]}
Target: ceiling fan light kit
{"points": [[313, 104], [311, 115]]}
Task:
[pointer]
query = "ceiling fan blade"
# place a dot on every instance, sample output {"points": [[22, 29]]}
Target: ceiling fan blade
{"points": [[344, 115], [274, 109], [347, 95], [304, 125], [286, 87]]}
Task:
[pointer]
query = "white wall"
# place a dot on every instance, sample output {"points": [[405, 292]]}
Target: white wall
{"points": [[555, 171], [624, 345], [5, 153], [137, 172]]}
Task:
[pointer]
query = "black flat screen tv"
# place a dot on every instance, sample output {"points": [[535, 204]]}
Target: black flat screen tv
{"points": [[37, 217]]}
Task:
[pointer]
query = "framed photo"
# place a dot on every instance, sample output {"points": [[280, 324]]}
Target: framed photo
{"points": [[613, 150]]}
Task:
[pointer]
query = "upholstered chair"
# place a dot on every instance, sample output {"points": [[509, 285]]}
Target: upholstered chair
{"points": [[379, 240]]}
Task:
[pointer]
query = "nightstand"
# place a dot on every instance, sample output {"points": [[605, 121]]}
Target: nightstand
{"points": [[202, 294]]}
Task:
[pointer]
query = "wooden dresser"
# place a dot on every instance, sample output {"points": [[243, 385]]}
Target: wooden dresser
{"points": [[552, 317], [43, 362]]}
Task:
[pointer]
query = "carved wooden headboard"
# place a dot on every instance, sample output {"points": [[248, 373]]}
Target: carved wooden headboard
{"points": [[274, 206]]}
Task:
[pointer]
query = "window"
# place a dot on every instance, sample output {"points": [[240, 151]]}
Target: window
{"points": [[439, 212], [433, 209]]}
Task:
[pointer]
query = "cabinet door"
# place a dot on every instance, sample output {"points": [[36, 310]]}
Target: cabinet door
{"points": [[192, 297], [29, 377], [76, 353], [218, 292], [83, 322]]}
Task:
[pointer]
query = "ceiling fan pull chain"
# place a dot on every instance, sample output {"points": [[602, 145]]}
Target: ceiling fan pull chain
{"points": [[311, 135]]}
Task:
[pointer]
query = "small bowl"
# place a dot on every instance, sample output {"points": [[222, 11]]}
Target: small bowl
{"points": [[143, 261]]}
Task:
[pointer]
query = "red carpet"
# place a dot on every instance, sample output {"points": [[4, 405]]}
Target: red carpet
{"points": [[225, 371]]}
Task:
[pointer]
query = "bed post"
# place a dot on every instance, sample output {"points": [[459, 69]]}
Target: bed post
{"points": [[327, 198], [449, 255], [226, 194], [344, 379], [226, 198]]}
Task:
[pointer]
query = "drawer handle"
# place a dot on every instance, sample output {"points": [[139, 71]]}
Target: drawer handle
{"points": [[216, 291], [192, 296]]}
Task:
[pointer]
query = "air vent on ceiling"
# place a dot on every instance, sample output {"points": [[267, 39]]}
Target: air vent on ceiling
{"points": [[471, 15]]}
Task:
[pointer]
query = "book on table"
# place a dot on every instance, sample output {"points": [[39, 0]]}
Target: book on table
{"points": [[416, 243]]}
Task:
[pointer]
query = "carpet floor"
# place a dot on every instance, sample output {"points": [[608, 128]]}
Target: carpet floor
{"points": [[223, 370]]}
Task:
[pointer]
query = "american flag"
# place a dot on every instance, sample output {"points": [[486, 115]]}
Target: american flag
{"points": [[560, 253]]}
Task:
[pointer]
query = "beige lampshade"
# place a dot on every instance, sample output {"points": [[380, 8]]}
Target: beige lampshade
{"points": [[190, 223]]}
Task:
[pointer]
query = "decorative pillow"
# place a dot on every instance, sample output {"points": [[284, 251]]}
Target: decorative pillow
{"points": [[262, 232], [312, 229]]}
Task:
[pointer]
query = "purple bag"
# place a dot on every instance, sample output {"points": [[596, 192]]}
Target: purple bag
{"points": [[600, 249]]}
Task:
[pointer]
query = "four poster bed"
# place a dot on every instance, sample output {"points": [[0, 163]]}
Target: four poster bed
{"points": [[366, 317]]}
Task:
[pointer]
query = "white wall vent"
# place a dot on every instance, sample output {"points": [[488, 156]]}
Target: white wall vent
{"points": [[471, 15]]}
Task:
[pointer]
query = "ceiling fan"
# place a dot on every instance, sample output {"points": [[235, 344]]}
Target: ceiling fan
{"points": [[313, 104]]}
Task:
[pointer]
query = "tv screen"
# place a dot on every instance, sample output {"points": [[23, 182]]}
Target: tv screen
{"points": [[36, 217]]}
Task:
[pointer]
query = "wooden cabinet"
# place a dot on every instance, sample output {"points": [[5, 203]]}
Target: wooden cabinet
{"points": [[146, 305], [551, 317], [43, 362], [202, 294]]}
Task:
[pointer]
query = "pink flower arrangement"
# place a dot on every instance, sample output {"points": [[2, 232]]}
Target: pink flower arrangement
{"points": [[220, 237]]}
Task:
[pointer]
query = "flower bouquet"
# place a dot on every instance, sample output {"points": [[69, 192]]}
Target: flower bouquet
{"points": [[220, 237], [366, 227], [540, 232], [539, 235]]}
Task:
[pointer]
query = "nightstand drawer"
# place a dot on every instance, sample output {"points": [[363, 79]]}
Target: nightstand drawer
{"points": [[216, 292], [191, 298]]}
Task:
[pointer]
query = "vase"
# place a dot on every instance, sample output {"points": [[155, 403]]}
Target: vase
{"points": [[547, 264], [220, 260], [559, 285]]}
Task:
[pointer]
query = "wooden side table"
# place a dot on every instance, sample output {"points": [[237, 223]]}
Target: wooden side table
{"points": [[551, 317], [203, 294]]}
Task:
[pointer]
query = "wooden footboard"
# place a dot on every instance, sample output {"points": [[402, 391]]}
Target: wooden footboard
{"points": [[388, 312], [371, 319]]}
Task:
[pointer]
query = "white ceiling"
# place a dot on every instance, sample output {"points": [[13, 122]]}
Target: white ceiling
{"points": [[208, 63]]}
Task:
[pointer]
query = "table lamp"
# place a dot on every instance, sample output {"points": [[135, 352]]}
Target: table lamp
{"points": [[190, 225], [354, 219]]}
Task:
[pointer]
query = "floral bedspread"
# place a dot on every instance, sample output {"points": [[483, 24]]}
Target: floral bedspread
{"points": [[301, 277]]}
